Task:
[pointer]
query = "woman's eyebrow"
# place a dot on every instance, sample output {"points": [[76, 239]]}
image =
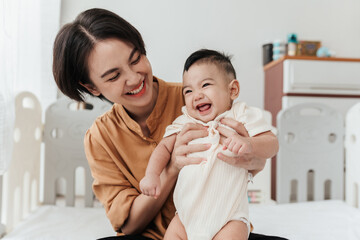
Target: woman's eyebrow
{"points": [[132, 53], [115, 69], [109, 71]]}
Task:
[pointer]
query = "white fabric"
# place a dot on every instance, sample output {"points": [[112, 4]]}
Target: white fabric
{"points": [[27, 33], [319, 220], [212, 193], [324, 220], [63, 223], [7, 114], [6, 130]]}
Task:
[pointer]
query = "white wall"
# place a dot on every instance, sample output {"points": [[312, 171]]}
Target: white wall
{"points": [[174, 29]]}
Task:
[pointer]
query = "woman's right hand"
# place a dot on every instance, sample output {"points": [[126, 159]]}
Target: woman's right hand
{"points": [[179, 156]]}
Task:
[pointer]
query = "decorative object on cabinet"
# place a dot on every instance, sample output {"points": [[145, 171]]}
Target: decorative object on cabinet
{"points": [[307, 48]]}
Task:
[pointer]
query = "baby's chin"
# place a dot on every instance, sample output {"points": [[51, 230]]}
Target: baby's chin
{"points": [[206, 118]]}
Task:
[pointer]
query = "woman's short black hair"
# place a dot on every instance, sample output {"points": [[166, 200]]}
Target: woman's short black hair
{"points": [[222, 60], [75, 41]]}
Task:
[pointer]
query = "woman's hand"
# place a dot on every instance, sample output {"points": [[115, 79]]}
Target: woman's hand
{"points": [[179, 157], [248, 160]]}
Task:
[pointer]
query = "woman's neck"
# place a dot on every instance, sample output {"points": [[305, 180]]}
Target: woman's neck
{"points": [[143, 114]]}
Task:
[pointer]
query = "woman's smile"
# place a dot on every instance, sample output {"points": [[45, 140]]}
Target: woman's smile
{"points": [[138, 90]]}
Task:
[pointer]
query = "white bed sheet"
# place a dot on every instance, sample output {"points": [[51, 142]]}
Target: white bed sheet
{"points": [[63, 223], [326, 220]]}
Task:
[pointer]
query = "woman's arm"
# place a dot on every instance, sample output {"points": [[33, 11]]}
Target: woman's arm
{"points": [[145, 208], [264, 146]]}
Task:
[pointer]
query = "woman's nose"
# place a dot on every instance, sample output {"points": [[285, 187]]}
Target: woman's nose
{"points": [[132, 77]]}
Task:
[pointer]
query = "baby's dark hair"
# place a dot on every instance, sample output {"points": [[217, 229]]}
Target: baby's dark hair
{"points": [[222, 60]]}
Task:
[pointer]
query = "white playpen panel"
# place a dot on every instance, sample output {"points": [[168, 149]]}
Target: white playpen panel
{"points": [[352, 151], [310, 160], [64, 129], [21, 181], [66, 124]]}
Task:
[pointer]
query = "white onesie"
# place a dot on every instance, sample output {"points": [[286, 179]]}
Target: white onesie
{"points": [[210, 194]]}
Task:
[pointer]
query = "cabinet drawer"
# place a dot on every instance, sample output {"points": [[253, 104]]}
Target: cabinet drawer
{"points": [[321, 77]]}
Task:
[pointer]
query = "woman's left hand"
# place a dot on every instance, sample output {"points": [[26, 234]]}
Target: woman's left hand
{"points": [[247, 160]]}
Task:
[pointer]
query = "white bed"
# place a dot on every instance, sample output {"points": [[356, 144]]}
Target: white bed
{"points": [[65, 218], [62, 223], [328, 220]]}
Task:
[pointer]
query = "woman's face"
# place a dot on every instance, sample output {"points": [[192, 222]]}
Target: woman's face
{"points": [[121, 74]]}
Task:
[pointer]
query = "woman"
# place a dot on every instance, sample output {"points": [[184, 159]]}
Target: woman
{"points": [[103, 55]]}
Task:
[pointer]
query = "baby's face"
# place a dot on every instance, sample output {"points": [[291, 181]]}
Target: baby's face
{"points": [[207, 91]]}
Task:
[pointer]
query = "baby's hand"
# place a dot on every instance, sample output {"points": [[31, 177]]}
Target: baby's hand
{"points": [[237, 144], [150, 185]]}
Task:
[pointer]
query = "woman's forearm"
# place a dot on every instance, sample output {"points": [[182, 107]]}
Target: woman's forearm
{"points": [[145, 208], [258, 165], [265, 145]]}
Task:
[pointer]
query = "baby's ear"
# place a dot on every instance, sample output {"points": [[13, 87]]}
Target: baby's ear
{"points": [[234, 88]]}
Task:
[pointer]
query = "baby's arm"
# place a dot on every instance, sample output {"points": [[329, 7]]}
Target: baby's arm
{"points": [[150, 184], [263, 145]]}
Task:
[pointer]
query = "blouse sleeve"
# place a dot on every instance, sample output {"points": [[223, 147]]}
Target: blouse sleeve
{"points": [[110, 185], [176, 125]]}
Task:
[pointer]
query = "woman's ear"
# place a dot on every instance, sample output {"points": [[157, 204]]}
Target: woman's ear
{"points": [[91, 88], [234, 88]]}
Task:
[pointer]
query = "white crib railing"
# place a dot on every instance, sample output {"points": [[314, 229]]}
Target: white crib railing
{"points": [[352, 151], [62, 135], [310, 164], [21, 181]]}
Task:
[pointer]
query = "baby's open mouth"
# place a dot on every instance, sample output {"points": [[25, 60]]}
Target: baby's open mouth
{"points": [[203, 107]]}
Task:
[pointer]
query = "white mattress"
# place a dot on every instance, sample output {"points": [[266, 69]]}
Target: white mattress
{"points": [[298, 221], [63, 223], [309, 220]]}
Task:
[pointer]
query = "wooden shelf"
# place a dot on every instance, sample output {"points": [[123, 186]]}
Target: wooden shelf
{"points": [[280, 60]]}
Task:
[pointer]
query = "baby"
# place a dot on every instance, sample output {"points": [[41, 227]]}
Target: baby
{"points": [[211, 197]]}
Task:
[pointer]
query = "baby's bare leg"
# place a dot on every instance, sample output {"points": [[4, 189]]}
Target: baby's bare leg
{"points": [[233, 230], [176, 230]]}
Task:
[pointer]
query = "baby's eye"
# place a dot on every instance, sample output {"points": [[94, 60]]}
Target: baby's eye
{"points": [[206, 84], [187, 91]]}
